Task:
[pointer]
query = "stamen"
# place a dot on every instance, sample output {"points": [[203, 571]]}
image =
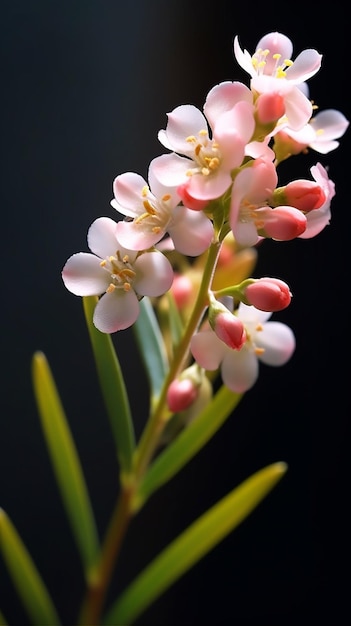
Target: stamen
{"points": [[191, 139], [149, 208], [145, 191], [103, 263], [166, 197], [259, 327], [126, 287], [110, 288], [259, 351]]}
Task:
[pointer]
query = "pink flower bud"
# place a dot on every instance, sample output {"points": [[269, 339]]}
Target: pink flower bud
{"points": [[305, 195], [268, 294], [189, 201], [229, 329], [282, 223], [270, 107], [181, 394], [182, 289]]}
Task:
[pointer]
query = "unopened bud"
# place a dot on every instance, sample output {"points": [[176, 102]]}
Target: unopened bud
{"points": [[270, 107], [227, 326], [189, 201], [181, 394], [283, 223], [182, 289], [268, 294], [305, 195]]}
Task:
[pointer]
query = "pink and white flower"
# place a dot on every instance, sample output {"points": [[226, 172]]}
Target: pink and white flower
{"points": [[155, 210], [319, 218], [205, 152], [272, 343], [272, 71], [320, 134], [251, 216], [122, 276]]}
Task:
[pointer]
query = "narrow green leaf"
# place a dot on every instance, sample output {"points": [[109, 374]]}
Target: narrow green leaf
{"points": [[188, 443], [193, 544], [65, 463], [112, 387], [25, 576], [151, 346]]}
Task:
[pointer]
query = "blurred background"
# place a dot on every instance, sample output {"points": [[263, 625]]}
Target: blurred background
{"points": [[86, 86]]}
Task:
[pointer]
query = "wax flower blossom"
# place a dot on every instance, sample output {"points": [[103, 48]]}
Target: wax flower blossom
{"points": [[200, 160], [122, 276], [177, 264], [272, 71], [272, 343], [155, 209]]}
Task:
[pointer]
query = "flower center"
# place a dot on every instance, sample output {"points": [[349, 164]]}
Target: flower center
{"points": [[157, 212], [206, 154], [259, 62], [250, 339], [120, 270]]}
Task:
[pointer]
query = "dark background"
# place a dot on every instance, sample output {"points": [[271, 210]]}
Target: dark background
{"points": [[85, 88]]}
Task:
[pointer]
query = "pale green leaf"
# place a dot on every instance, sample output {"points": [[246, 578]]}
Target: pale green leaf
{"points": [[192, 545], [151, 346], [112, 388], [175, 321], [66, 464], [25, 576], [188, 443]]}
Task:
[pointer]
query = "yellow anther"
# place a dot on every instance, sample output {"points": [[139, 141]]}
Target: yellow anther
{"points": [[126, 287], [203, 132], [320, 131], [141, 217], [198, 149], [156, 229], [189, 173], [280, 73], [205, 171], [261, 64], [191, 139], [259, 327], [213, 163], [288, 62], [276, 56], [166, 197], [125, 258], [126, 273], [112, 259], [265, 52], [259, 351], [110, 288], [144, 191], [103, 263], [149, 208]]}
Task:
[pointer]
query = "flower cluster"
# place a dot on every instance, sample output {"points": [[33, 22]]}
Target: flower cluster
{"points": [[216, 190]]}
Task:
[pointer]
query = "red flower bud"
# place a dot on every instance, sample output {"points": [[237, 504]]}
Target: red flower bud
{"points": [[268, 294], [181, 394], [229, 329], [305, 195], [270, 107]]}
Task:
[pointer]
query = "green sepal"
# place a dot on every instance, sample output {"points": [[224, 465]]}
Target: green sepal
{"points": [[25, 576], [113, 389], [188, 443], [66, 464], [192, 545], [151, 346]]}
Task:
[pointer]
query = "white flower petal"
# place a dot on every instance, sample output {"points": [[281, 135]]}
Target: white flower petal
{"points": [[170, 169], [278, 342], [127, 189], [191, 231], [154, 274], [184, 121], [84, 276], [116, 311], [133, 236], [239, 369], [102, 237], [207, 350]]}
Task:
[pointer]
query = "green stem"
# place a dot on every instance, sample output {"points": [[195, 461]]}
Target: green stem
{"points": [[149, 440]]}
